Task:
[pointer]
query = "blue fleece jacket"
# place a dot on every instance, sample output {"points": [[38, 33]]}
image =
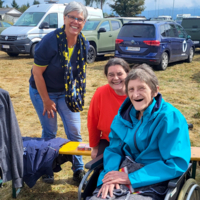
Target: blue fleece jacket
{"points": [[162, 138]]}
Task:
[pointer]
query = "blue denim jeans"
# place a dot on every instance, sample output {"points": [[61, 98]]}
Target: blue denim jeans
{"points": [[71, 120]]}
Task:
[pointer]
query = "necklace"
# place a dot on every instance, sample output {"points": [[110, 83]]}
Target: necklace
{"points": [[71, 46]]}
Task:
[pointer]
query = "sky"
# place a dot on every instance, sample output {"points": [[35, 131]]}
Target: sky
{"points": [[149, 4]]}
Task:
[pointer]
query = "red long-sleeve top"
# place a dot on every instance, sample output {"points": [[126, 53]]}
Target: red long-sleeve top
{"points": [[103, 107]]}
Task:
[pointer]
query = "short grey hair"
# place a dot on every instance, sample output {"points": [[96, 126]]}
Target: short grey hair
{"points": [[145, 73], [76, 6]]}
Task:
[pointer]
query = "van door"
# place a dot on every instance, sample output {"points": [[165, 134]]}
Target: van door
{"points": [[105, 38], [173, 42], [52, 20], [183, 51]]}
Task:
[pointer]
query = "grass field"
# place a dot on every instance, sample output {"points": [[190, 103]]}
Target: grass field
{"points": [[179, 85]]}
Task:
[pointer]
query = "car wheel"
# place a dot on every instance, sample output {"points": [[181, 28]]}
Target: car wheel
{"points": [[164, 62], [32, 53], [190, 56], [13, 54], [91, 54]]}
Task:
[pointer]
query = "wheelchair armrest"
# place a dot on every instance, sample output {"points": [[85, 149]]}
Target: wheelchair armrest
{"points": [[95, 162], [175, 182]]}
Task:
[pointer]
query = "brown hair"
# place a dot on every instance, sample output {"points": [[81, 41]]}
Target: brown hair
{"points": [[116, 61]]}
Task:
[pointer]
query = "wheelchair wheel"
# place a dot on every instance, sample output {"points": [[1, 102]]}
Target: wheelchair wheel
{"points": [[190, 190]]}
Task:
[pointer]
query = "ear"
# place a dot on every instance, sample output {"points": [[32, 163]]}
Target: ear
{"points": [[156, 93]]}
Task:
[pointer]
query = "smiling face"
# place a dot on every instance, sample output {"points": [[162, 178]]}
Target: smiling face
{"points": [[72, 26], [116, 76], [140, 94]]}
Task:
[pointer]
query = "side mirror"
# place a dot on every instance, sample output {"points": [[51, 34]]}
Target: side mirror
{"points": [[44, 25], [101, 30], [189, 37]]}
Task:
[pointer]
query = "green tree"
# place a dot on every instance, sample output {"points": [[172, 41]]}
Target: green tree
{"points": [[1, 3], [23, 8], [98, 2], [128, 8], [14, 4], [28, 5], [35, 2]]}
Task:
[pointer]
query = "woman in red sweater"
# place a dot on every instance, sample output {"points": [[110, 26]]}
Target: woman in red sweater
{"points": [[105, 104]]}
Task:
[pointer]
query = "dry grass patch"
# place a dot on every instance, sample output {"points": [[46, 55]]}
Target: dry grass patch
{"points": [[179, 85]]}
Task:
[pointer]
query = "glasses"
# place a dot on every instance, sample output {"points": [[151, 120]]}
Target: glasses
{"points": [[72, 18]]}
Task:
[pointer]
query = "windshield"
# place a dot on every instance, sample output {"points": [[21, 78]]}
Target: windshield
{"points": [[90, 25], [179, 18], [29, 19]]}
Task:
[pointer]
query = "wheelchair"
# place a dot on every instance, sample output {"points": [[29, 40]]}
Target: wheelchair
{"points": [[181, 188]]}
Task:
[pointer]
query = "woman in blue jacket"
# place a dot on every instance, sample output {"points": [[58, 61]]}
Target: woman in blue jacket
{"points": [[150, 131]]}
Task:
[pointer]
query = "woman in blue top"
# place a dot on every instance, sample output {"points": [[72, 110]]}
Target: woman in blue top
{"points": [[148, 130], [57, 82]]}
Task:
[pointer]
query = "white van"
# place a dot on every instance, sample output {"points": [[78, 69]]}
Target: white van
{"points": [[33, 25], [165, 17]]}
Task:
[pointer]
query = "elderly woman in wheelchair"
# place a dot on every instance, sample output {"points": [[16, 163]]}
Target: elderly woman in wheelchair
{"points": [[149, 141]]}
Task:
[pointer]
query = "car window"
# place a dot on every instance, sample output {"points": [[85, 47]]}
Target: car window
{"points": [[52, 20], [181, 32], [137, 30], [171, 30], [0, 24], [5, 24], [105, 25], [163, 31], [115, 25], [90, 25]]}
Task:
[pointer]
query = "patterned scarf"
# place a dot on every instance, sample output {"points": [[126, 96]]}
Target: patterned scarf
{"points": [[75, 88]]}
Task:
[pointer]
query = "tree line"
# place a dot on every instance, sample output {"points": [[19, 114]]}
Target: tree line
{"points": [[21, 8], [123, 8]]}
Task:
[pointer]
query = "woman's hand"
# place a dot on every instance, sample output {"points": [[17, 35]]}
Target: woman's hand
{"points": [[116, 177], [94, 152], [107, 188], [49, 107]]}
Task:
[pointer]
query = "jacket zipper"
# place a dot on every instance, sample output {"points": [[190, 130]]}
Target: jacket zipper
{"points": [[135, 136]]}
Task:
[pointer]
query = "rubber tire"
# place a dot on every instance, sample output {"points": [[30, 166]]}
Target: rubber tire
{"points": [[161, 66], [191, 54], [13, 54], [91, 54], [185, 189], [32, 53]]}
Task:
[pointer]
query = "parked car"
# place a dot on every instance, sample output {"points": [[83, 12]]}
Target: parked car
{"points": [[101, 33], [33, 25], [156, 43], [128, 19], [4, 25], [165, 17], [192, 27], [179, 17]]}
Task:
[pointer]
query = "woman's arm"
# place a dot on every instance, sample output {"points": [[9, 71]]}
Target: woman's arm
{"points": [[49, 105]]}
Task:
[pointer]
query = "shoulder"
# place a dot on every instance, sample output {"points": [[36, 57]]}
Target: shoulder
{"points": [[49, 39], [4, 93], [102, 90], [171, 114]]}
